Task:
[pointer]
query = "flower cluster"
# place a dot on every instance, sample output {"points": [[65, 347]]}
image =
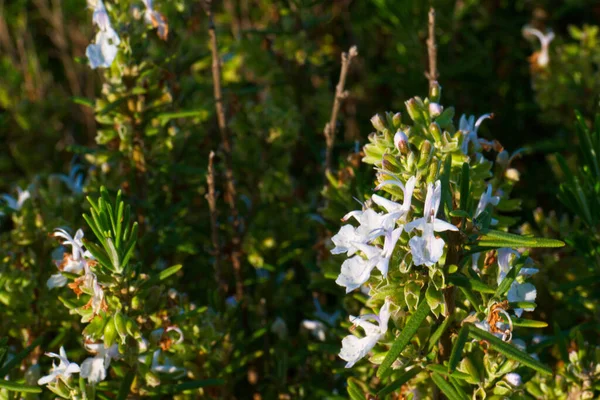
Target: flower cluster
{"points": [[103, 51], [430, 236]]}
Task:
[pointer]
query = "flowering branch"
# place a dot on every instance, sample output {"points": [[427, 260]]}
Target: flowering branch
{"points": [[340, 94]]}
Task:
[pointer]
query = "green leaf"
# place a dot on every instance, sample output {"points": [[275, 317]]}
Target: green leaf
{"points": [[114, 256], [83, 101], [459, 213], [442, 370], [397, 384], [19, 387], [445, 179], [457, 350], [508, 350], [445, 387], [16, 360], [529, 323], [473, 284], [162, 275], [125, 387], [493, 238], [437, 334], [510, 277], [465, 187], [180, 387], [98, 254], [404, 338]]}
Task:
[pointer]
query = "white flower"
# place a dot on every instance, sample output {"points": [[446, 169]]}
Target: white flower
{"points": [[100, 16], [73, 263], [354, 348], [103, 51], [344, 240], [395, 210], [94, 368], [469, 128], [156, 19], [75, 242], [427, 249], [167, 367], [544, 57], [514, 379], [486, 198], [316, 328], [355, 271], [63, 370], [518, 292], [16, 204]]}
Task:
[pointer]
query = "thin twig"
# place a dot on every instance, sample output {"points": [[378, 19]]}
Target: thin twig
{"points": [[340, 94], [230, 189], [211, 197], [433, 73]]}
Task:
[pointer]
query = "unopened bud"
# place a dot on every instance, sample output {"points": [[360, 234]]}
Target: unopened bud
{"points": [[436, 132], [397, 119], [390, 163], [401, 141], [432, 174], [435, 92], [413, 110], [120, 325], [378, 123], [426, 149], [411, 160], [435, 110], [132, 329]]}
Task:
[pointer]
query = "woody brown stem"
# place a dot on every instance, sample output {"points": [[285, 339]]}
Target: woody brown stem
{"points": [[211, 198], [433, 74], [230, 188], [340, 94]]}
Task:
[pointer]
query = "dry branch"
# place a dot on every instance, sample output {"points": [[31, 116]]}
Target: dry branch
{"points": [[340, 94], [230, 189], [211, 198], [433, 74]]}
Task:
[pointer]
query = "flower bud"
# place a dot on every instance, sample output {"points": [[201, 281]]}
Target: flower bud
{"points": [[435, 110], [436, 132], [401, 141], [378, 123], [435, 92], [390, 164], [411, 160], [397, 120], [413, 110], [432, 174], [110, 333], [132, 329], [426, 150], [120, 326]]}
